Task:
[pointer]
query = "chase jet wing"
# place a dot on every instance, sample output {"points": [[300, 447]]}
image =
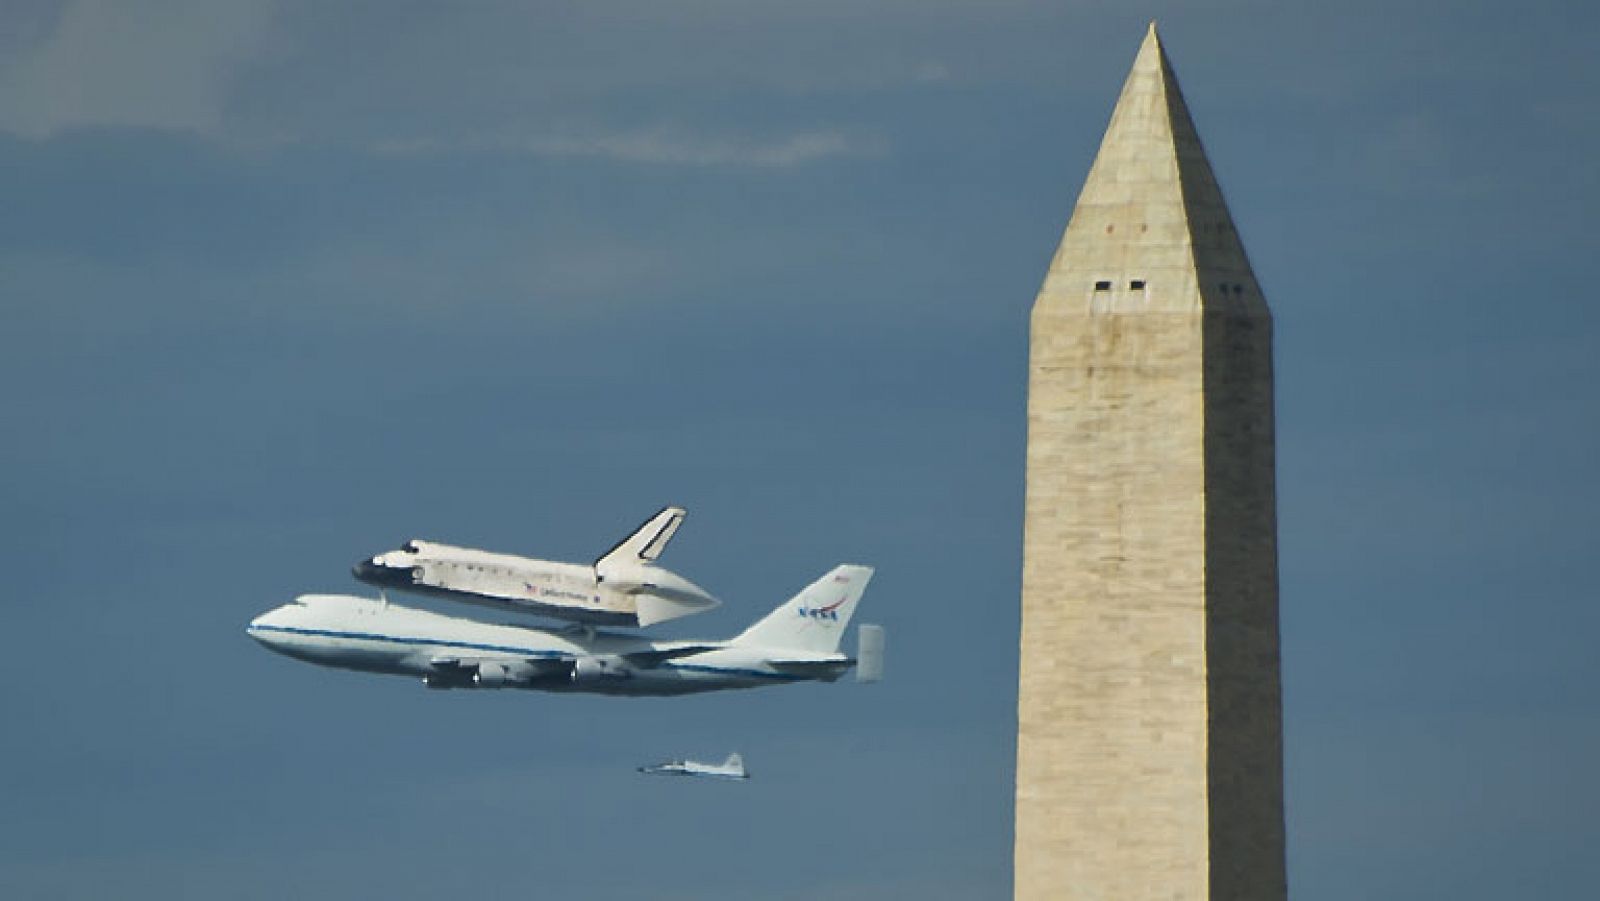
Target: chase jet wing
{"points": [[646, 543]]}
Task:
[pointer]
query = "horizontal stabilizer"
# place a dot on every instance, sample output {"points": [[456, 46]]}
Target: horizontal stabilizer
{"points": [[825, 670], [658, 657], [869, 653]]}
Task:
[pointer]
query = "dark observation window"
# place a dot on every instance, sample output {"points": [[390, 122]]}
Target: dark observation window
{"points": [[1137, 284], [1102, 286]]}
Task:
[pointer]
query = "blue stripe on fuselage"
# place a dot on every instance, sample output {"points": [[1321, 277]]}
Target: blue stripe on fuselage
{"points": [[508, 649], [425, 642], [763, 674]]}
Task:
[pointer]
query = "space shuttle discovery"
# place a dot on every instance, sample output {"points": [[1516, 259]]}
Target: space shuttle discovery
{"points": [[624, 587]]}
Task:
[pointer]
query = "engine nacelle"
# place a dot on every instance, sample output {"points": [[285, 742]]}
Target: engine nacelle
{"points": [[491, 675], [600, 669]]}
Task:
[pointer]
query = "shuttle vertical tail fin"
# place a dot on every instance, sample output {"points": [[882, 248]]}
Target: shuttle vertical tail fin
{"points": [[647, 542]]}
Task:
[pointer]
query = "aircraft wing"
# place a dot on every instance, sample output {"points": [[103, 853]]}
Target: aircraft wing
{"points": [[534, 667], [646, 659]]}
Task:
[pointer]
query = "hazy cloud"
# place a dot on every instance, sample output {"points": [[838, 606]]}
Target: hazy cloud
{"points": [[658, 146], [163, 65]]}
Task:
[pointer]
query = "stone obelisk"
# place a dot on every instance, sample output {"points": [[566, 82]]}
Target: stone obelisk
{"points": [[1149, 746]]}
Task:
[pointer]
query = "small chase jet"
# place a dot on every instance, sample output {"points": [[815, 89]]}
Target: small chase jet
{"points": [[622, 588], [797, 642], [732, 768]]}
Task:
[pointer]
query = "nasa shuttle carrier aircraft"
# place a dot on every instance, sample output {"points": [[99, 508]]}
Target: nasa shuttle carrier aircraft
{"points": [[799, 641]]}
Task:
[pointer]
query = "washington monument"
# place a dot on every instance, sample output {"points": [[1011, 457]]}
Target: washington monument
{"points": [[1149, 747]]}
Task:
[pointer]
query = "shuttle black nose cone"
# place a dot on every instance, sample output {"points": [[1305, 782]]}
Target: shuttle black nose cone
{"points": [[383, 576]]}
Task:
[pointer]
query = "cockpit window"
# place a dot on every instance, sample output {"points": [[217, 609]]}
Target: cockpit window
{"points": [[338, 602], [409, 547]]}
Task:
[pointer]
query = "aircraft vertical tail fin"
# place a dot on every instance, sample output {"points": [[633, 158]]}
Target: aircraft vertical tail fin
{"points": [[734, 762], [815, 619]]}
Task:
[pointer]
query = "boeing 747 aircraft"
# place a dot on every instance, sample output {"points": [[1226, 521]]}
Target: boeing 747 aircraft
{"points": [[799, 641], [624, 587], [732, 768]]}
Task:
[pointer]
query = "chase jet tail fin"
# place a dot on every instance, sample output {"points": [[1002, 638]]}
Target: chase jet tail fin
{"points": [[647, 542], [815, 619], [734, 762]]}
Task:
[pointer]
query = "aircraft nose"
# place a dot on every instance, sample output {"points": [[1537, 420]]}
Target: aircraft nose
{"points": [[255, 631], [262, 627], [366, 570]]}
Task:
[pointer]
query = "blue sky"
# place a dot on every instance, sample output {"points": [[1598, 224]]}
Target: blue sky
{"points": [[285, 283]]}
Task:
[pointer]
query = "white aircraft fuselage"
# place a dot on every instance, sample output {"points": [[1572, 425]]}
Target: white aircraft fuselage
{"points": [[449, 652]]}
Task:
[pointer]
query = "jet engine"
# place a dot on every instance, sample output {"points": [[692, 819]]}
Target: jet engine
{"points": [[599, 669], [491, 675]]}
